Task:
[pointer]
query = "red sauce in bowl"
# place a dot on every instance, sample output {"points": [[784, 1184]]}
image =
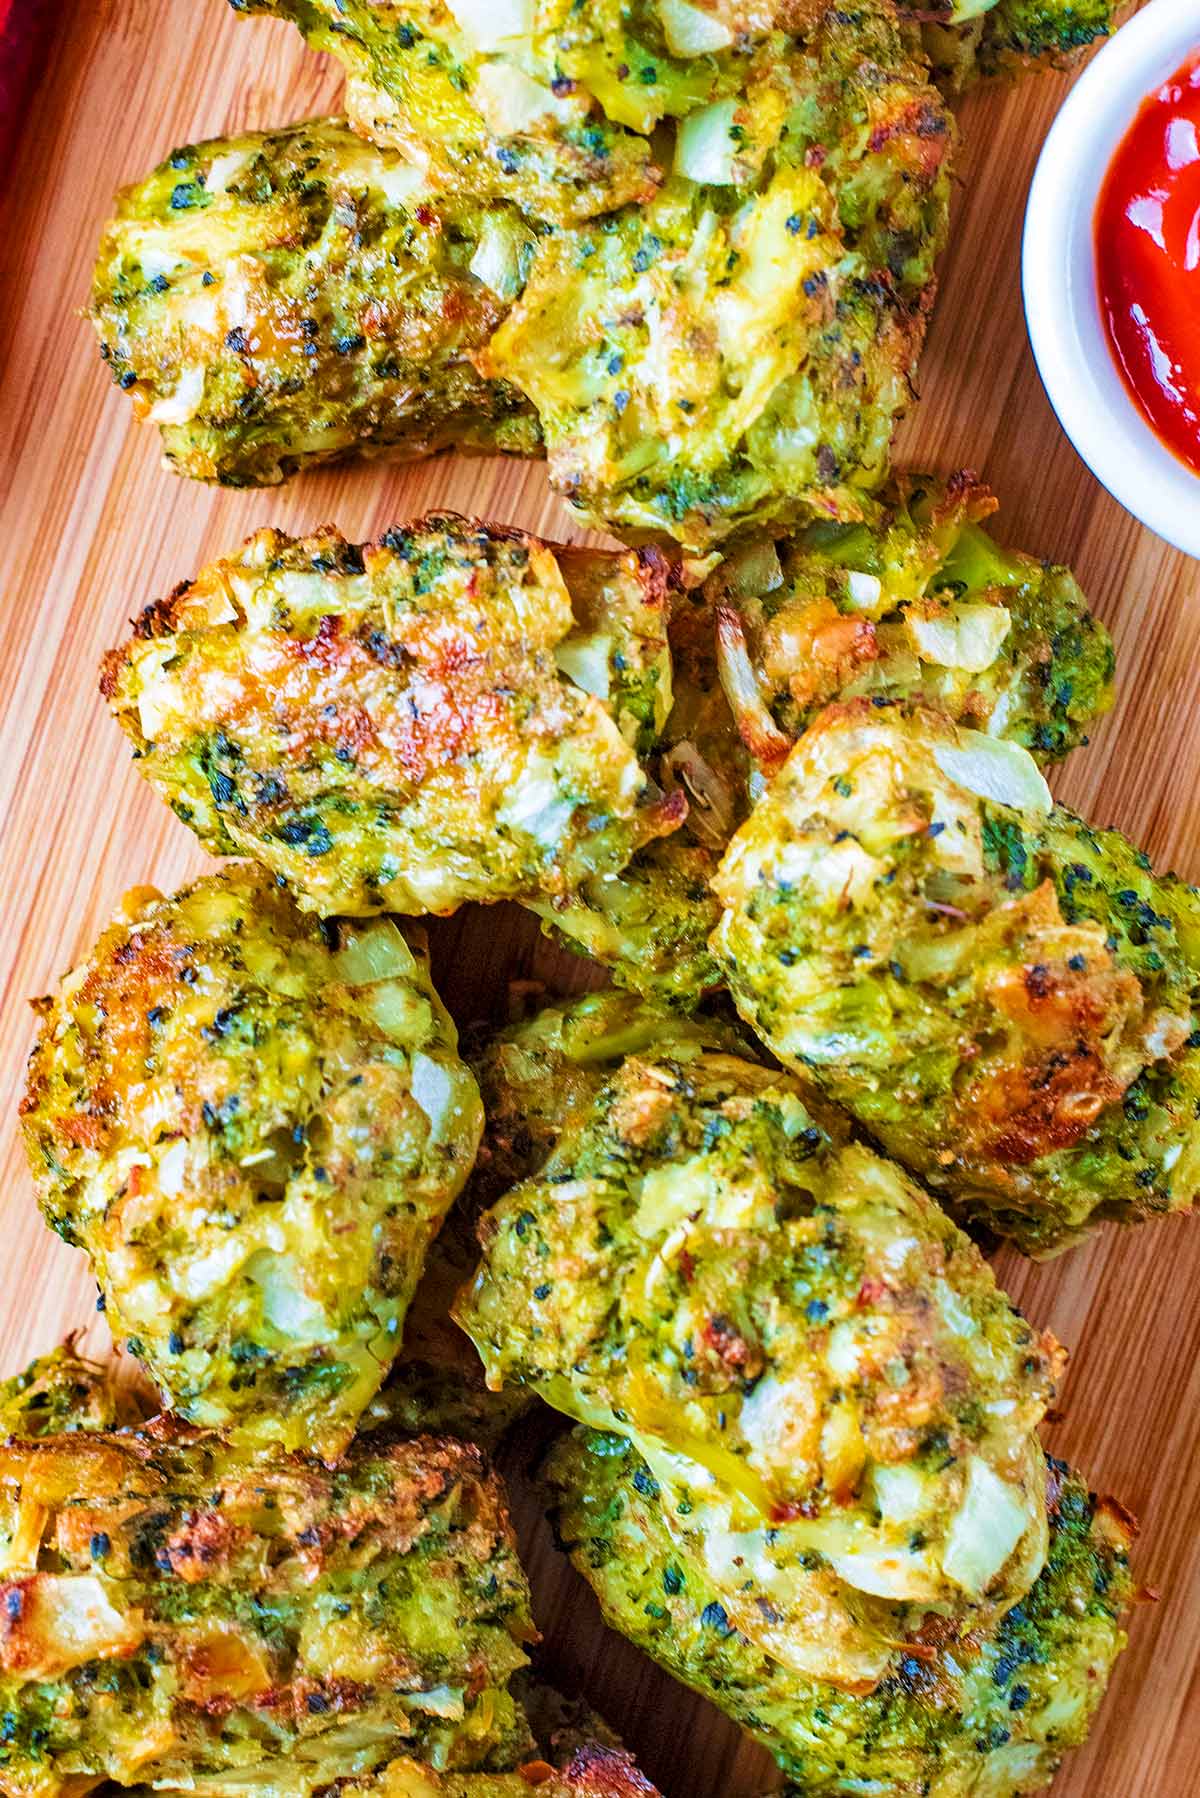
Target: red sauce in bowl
{"points": [[1148, 260]]}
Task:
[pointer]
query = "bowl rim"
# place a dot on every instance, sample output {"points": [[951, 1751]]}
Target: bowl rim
{"points": [[1069, 338]]}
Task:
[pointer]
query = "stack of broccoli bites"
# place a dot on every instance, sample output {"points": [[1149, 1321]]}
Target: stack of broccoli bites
{"points": [[809, 772], [807, 1476], [688, 258], [684, 250]]}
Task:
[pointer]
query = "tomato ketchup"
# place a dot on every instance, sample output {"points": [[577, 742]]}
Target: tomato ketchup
{"points": [[1148, 260]]}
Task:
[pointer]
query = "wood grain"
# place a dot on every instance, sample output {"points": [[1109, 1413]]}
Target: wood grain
{"points": [[91, 528]]}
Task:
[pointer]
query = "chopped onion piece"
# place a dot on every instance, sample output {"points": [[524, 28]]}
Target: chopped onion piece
{"points": [[995, 769], [759, 731], [286, 1305], [705, 150], [902, 1492], [512, 102], [967, 637], [753, 570], [987, 1527], [225, 169], [64, 1620], [376, 952], [156, 261], [439, 1701], [497, 258], [489, 23], [894, 1573], [864, 589], [435, 1090], [177, 408], [711, 801], [691, 30], [585, 660], [398, 182], [172, 1168], [399, 1010], [537, 807]]}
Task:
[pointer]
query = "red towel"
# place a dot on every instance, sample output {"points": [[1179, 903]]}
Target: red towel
{"points": [[23, 35]]}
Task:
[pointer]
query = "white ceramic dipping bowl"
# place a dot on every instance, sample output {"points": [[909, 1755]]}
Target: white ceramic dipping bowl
{"points": [[1058, 271]]}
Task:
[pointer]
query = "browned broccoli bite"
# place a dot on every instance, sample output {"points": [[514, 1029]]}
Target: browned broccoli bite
{"points": [[501, 118], [810, 1356], [953, 1716], [965, 40], [253, 1125], [288, 298], [539, 1075], [649, 923], [735, 345], [1004, 996], [738, 350], [181, 1616], [450, 713], [236, 1601], [65, 1391], [920, 605]]}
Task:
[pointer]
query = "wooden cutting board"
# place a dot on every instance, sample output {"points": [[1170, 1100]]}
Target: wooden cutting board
{"points": [[91, 528]]}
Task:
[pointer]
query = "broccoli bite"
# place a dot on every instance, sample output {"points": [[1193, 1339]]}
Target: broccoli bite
{"points": [[539, 1076], [286, 298], [594, 1770], [253, 1125], [649, 923], [62, 1391], [574, 1752], [179, 1615], [489, 104], [436, 1383], [967, 39], [920, 605], [577, 1756], [739, 349], [812, 1358], [1005, 997], [450, 713], [535, 1076], [987, 1714]]}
